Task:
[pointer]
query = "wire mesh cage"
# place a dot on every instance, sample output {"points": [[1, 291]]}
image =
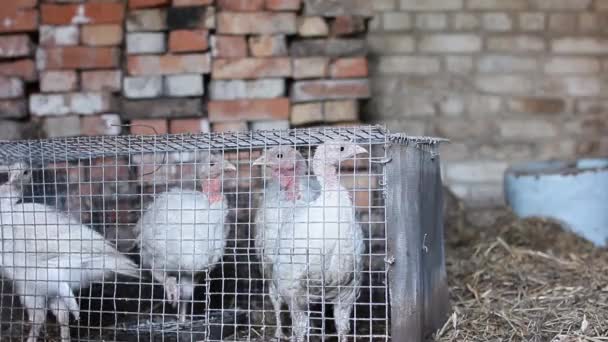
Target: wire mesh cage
{"points": [[320, 234]]}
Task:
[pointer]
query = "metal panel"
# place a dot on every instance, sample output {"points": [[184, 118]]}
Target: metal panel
{"points": [[417, 276]]}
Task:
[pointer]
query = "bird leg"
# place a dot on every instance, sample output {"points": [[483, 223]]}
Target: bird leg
{"points": [[170, 286], [187, 291], [300, 321], [342, 312], [276, 303], [36, 312], [172, 290], [69, 300], [62, 314]]}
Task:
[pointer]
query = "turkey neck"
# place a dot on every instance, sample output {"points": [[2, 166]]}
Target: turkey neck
{"points": [[326, 174], [212, 188], [9, 194], [288, 181]]}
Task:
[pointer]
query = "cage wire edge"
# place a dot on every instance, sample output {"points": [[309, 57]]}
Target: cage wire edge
{"points": [[74, 148]]}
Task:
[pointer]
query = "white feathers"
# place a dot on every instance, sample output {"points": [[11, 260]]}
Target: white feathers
{"points": [[287, 189], [48, 254], [312, 242], [183, 232], [306, 236]]}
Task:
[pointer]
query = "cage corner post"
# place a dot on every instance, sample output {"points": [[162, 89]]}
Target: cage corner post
{"points": [[417, 276]]}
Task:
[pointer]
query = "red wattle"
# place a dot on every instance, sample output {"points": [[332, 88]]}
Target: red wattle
{"points": [[212, 188]]}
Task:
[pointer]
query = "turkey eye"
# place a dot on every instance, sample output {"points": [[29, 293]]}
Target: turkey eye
{"points": [[341, 148], [280, 155], [212, 164]]}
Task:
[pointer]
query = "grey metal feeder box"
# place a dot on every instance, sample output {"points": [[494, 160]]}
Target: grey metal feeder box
{"points": [[81, 220]]}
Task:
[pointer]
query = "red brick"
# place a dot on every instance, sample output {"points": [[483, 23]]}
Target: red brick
{"points": [[177, 126], [361, 199], [188, 3], [149, 126], [259, 109], [241, 5], [283, 5], [21, 4], [305, 91], [250, 68], [169, 64], [349, 68], [57, 81], [22, 68], [268, 46], [108, 169], [77, 57], [18, 45], [102, 35], [74, 172], [256, 22], [188, 40], [310, 67], [228, 46], [101, 80], [105, 124], [14, 20], [346, 25], [87, 13], [232, 126], [133, 4]]}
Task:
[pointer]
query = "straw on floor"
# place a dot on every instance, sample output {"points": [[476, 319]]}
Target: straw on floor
{"points": [[522, 280]]}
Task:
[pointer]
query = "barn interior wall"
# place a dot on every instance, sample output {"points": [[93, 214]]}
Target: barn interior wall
{"points": [[506, 81]]}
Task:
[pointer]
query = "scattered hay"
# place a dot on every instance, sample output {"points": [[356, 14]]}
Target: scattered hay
{"points": [[522, 280]]}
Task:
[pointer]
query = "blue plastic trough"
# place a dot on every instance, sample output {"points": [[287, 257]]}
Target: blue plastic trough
{"points": [[575, 193]]}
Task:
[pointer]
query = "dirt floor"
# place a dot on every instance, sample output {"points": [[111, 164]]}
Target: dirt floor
{"points": [[522, 280]]}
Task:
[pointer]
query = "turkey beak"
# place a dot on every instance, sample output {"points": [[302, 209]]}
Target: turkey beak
{"points": [[260, 161], [360, 150]]}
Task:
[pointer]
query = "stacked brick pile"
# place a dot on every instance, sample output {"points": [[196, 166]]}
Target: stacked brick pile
{"points": [[329, 65], [253, 50], [78, 59], [18, 22], [176, 66], [167, 47]]}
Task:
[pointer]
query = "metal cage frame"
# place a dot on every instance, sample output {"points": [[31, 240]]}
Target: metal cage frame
{"points": [[418, 293]]}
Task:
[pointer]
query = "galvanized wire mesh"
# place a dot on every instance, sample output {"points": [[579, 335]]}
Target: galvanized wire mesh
{"points": [[162, 238]]}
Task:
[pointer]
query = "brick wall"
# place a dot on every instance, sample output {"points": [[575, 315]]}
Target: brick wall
{"points": [[505, 80], [78, 67]]}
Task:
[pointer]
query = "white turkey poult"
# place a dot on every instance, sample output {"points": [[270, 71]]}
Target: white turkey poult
{"points": [[287, 188], [317, 253], [183, 232], [47, 255]]}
